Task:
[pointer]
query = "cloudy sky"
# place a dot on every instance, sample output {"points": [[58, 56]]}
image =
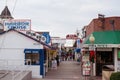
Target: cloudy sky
{"points": [[60, 17]]}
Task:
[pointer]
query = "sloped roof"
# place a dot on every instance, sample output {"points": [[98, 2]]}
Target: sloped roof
{"points": [[5, 14], [105, 37], [44, 44]]}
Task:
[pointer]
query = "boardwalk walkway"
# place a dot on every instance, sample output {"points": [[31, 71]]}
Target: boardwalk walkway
{"points": [[68, 70]]}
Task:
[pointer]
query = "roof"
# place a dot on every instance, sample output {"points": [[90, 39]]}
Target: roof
{"points": [[105, 37], [44, 44], [5, 14]]}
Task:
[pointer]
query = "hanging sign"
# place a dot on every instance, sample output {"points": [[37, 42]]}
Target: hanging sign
{"points": [[45, 38], [17, 24]]}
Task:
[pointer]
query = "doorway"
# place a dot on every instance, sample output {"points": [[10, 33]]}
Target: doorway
{"points": [[103, 58]]}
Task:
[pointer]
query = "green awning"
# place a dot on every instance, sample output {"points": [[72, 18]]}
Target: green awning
{"points": [[105, 37]]}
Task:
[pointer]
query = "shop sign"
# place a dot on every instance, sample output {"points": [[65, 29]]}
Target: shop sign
{"points": [[17, 24], [92, 47], [45, 38], [32, 51], [101, 45], [78, 43]]}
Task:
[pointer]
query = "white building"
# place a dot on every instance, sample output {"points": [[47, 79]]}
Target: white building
{"points": [[20, 49]]}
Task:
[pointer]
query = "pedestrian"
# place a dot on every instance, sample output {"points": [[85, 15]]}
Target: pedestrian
{"points": [[57, 59]]}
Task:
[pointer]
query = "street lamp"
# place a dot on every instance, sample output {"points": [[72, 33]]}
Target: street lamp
{"points": [[92, 39], [92, 52]]}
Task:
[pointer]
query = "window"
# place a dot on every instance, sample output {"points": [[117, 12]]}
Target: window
{"points": [[119, 55], [32, 59]]}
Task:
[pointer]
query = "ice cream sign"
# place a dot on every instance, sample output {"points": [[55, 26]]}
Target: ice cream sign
{"points": [[18, 24]]}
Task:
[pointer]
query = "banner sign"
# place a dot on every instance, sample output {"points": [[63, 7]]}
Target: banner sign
{"points": [[78, 43], [17, 24]]}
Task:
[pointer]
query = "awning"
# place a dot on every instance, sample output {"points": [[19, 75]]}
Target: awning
{"points": [[105, 37]]}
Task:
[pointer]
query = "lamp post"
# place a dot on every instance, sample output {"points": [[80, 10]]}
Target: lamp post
{"points": [[92, 52], [92, 39]]}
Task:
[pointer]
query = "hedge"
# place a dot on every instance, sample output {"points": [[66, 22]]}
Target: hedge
{"points": [[115, 76]]}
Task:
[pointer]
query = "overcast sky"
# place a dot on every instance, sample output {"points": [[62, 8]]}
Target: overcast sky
{"points": [[61, 17]]}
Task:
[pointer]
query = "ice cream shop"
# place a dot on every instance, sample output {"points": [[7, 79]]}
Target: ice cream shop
{"points": [[20, 47], [106, 51], [23, 47]]}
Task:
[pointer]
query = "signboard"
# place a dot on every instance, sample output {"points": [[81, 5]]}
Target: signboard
{"points": [[32, 51], [17, 24], [45, 38], [92, 47]]}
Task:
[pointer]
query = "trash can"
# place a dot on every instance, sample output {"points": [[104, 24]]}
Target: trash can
{"points": [[107, 70]]}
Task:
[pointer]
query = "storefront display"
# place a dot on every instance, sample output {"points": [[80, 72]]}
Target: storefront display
{"points": [[86, 68], [85, 64]]}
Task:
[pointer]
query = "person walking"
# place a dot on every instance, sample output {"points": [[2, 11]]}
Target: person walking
{"points": [[57, 59]]}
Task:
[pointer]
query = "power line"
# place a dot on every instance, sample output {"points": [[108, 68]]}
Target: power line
{"points": [[14, 6]]}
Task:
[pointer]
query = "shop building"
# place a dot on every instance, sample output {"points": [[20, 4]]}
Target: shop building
{"points": [[106, 44], [19, 49], [101, 23], [107, 48]]}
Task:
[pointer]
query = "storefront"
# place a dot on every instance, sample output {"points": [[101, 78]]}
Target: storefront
{"points": [[107, 45], [21, 50], [35, 57], [103, 57]]}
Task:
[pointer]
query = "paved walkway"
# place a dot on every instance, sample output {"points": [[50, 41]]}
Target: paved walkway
{"points": [[68, 70]]}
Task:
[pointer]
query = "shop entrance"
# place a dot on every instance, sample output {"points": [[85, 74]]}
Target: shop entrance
{"points": [[103, 58]]}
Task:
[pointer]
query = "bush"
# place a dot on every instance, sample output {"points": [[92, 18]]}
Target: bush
{"points": [[115, 76]]}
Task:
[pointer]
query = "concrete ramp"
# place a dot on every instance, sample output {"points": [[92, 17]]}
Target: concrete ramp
{"points": [[15, 75]]}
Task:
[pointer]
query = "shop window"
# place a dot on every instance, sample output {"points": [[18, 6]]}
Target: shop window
{"points": [[119, 55], [32, 59]]}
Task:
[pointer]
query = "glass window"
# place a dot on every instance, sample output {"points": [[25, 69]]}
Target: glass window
{"points": [[32, 59]]}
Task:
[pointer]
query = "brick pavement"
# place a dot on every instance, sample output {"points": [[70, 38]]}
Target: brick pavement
{"points": [[68, 70]]}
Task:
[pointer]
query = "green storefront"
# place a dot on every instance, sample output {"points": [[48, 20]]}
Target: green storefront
{"points": [[107, 50]]}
